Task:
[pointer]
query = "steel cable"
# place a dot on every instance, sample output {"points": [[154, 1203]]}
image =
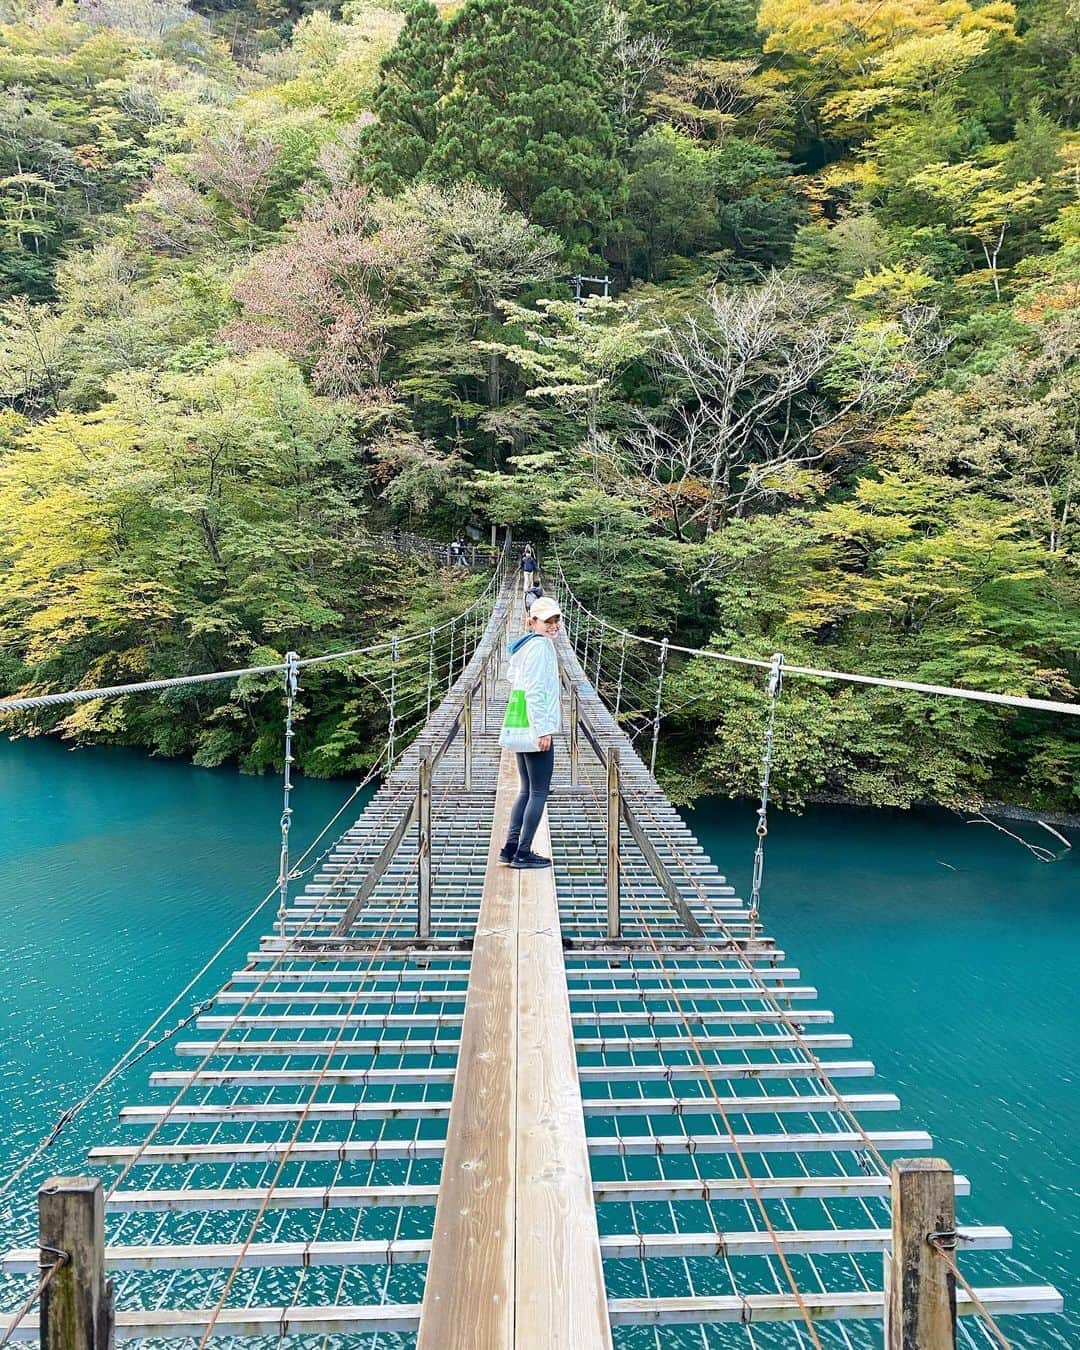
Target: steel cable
{"points": [[910, 686]]}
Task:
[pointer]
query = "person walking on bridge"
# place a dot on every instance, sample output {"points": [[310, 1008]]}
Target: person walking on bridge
{"points": [[532, 721], [531, 596], [529, 567]]}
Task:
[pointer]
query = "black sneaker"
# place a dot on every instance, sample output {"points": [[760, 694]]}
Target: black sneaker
{"points": [[507, 855], [526, 858]]}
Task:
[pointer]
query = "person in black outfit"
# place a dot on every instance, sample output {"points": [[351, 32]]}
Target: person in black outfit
{"points": [[529, 566]]}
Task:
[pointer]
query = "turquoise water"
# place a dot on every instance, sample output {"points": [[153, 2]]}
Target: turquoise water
{"points": [[945, 949], [119, 877]]}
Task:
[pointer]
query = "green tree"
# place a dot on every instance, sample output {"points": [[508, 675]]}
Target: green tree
{"points": [[985, 207], [394, 149], [699, 28], [672, 204], [525, 114]]}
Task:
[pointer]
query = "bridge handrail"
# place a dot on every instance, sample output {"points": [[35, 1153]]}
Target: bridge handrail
{"points": [[419, 545], [912, 686], [580, 721], [472, 679], [178, 681]]}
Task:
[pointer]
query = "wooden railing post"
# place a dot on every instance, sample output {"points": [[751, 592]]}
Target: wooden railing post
{"points": [[423, 833], [77, 1304], [614, 812], [468, 740], [573, 734], [920, 1290], [484, 695]]}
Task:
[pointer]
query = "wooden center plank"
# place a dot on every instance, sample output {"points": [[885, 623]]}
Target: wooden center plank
{"points": [[515, 1257], [560, 1297], [468, 1296]]}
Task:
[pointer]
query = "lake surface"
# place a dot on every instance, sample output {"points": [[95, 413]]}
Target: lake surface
{"points": [[948, 952]]}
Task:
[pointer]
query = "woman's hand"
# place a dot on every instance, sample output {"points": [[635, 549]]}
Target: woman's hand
{"points": [[543, 743]]}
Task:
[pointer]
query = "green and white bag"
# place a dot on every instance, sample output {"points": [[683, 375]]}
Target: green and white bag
{"points": [[517, 733]]}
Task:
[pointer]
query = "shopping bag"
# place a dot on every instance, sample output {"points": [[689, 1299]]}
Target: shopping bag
{"points": [[516, 733]]}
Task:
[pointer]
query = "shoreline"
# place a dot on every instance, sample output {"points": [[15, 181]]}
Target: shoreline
{"points": [[1003, 810]]}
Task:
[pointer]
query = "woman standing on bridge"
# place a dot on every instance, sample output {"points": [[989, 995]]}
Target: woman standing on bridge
{"points": [[534, 691]]}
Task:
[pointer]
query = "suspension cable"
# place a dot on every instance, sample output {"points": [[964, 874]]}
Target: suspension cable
{"points": [[48, 1271], [870, 1149], [37, 701], [303, 1116], [142, 1045], [291, 686], [751, 1181], [937, 1242], [659, 698], [391, 732], [851, 677], [134, 1053], [392, 910]]}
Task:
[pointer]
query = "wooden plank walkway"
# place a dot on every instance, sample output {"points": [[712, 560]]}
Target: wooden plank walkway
{"points": [[517, 1132], [515, 1258], [560, 1280], [469, 1293]]}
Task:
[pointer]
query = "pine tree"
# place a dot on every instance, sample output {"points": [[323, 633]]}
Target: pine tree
{"points": [[525, 114], [395, 149], [699, 28]]}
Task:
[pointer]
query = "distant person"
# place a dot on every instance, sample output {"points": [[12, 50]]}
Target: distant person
{"points": [[395, 534], [461, 552], [532, 721], [452, 552], [534, 593], [529, 567]]}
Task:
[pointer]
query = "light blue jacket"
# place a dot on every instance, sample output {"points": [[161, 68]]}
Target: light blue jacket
{"points": [[534, 667]]}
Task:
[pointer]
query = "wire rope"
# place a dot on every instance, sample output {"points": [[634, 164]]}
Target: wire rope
{"points": [[38, 701], [852, 677], [782, 1018]]}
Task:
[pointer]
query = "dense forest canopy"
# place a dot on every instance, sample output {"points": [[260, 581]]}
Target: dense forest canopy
{"points": [[275, 275]]}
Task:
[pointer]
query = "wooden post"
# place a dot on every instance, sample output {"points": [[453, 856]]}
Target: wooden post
{"points": [[614, 812], [484, 695], [468, 740], [423, 830], [920, 1290], [77, 1306], [573, 733]]}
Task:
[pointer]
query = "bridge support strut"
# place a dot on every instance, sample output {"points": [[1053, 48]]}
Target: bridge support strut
{"points": [[614, 813], [77, 1304], [920, 1290], [423, 844]]}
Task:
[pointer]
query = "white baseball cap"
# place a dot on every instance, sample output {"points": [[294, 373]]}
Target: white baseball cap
{"points": [[544, 608]]}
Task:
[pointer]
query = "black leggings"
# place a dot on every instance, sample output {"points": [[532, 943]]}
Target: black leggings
{"points": [[535, 772]]}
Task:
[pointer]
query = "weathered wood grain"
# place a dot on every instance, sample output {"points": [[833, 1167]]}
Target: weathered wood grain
{"points": [[468, 1298], [560, 1280]]}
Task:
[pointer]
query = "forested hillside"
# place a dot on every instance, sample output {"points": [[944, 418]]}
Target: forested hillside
{"points": [[274, 277]]}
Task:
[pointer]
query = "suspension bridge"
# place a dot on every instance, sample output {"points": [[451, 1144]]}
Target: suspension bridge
{"points": [[445, 1104]]}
